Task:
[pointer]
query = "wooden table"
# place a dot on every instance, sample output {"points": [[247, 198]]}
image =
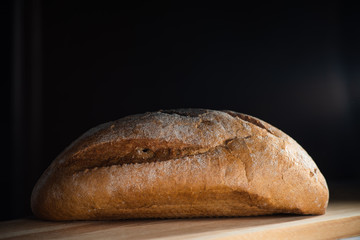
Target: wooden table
{"points": [[341, 220]]}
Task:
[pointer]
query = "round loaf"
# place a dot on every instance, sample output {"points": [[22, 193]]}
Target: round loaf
{"points": [[180, 163]]}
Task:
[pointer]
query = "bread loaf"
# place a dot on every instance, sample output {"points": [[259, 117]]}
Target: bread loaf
{"points": [[178, 164]]}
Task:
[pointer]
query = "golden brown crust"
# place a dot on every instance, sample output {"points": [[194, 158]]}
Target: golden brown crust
{"points": [[180, 163]]}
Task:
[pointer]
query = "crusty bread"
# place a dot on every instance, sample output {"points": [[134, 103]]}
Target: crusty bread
{"points": [[180, 163]]}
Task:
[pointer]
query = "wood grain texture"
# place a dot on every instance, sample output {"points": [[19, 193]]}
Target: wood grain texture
{"points": [[342, 219]]}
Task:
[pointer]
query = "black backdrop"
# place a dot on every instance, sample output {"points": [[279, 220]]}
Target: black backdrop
{"points": [[72, 65]]}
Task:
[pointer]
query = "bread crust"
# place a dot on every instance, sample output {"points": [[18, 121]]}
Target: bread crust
{"points": [[180, 163]]}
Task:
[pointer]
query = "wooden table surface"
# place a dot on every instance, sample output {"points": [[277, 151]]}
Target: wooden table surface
{"points": [[341, 220]]}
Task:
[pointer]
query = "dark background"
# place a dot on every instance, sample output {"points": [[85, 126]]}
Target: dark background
{"points": [[69, 66]]}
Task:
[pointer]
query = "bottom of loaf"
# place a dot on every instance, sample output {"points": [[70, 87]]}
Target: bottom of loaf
{"points": [[165, 212], [233, 204]]}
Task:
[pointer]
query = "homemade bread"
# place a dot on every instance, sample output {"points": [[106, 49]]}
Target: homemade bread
{"points": [[179, 164]]}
